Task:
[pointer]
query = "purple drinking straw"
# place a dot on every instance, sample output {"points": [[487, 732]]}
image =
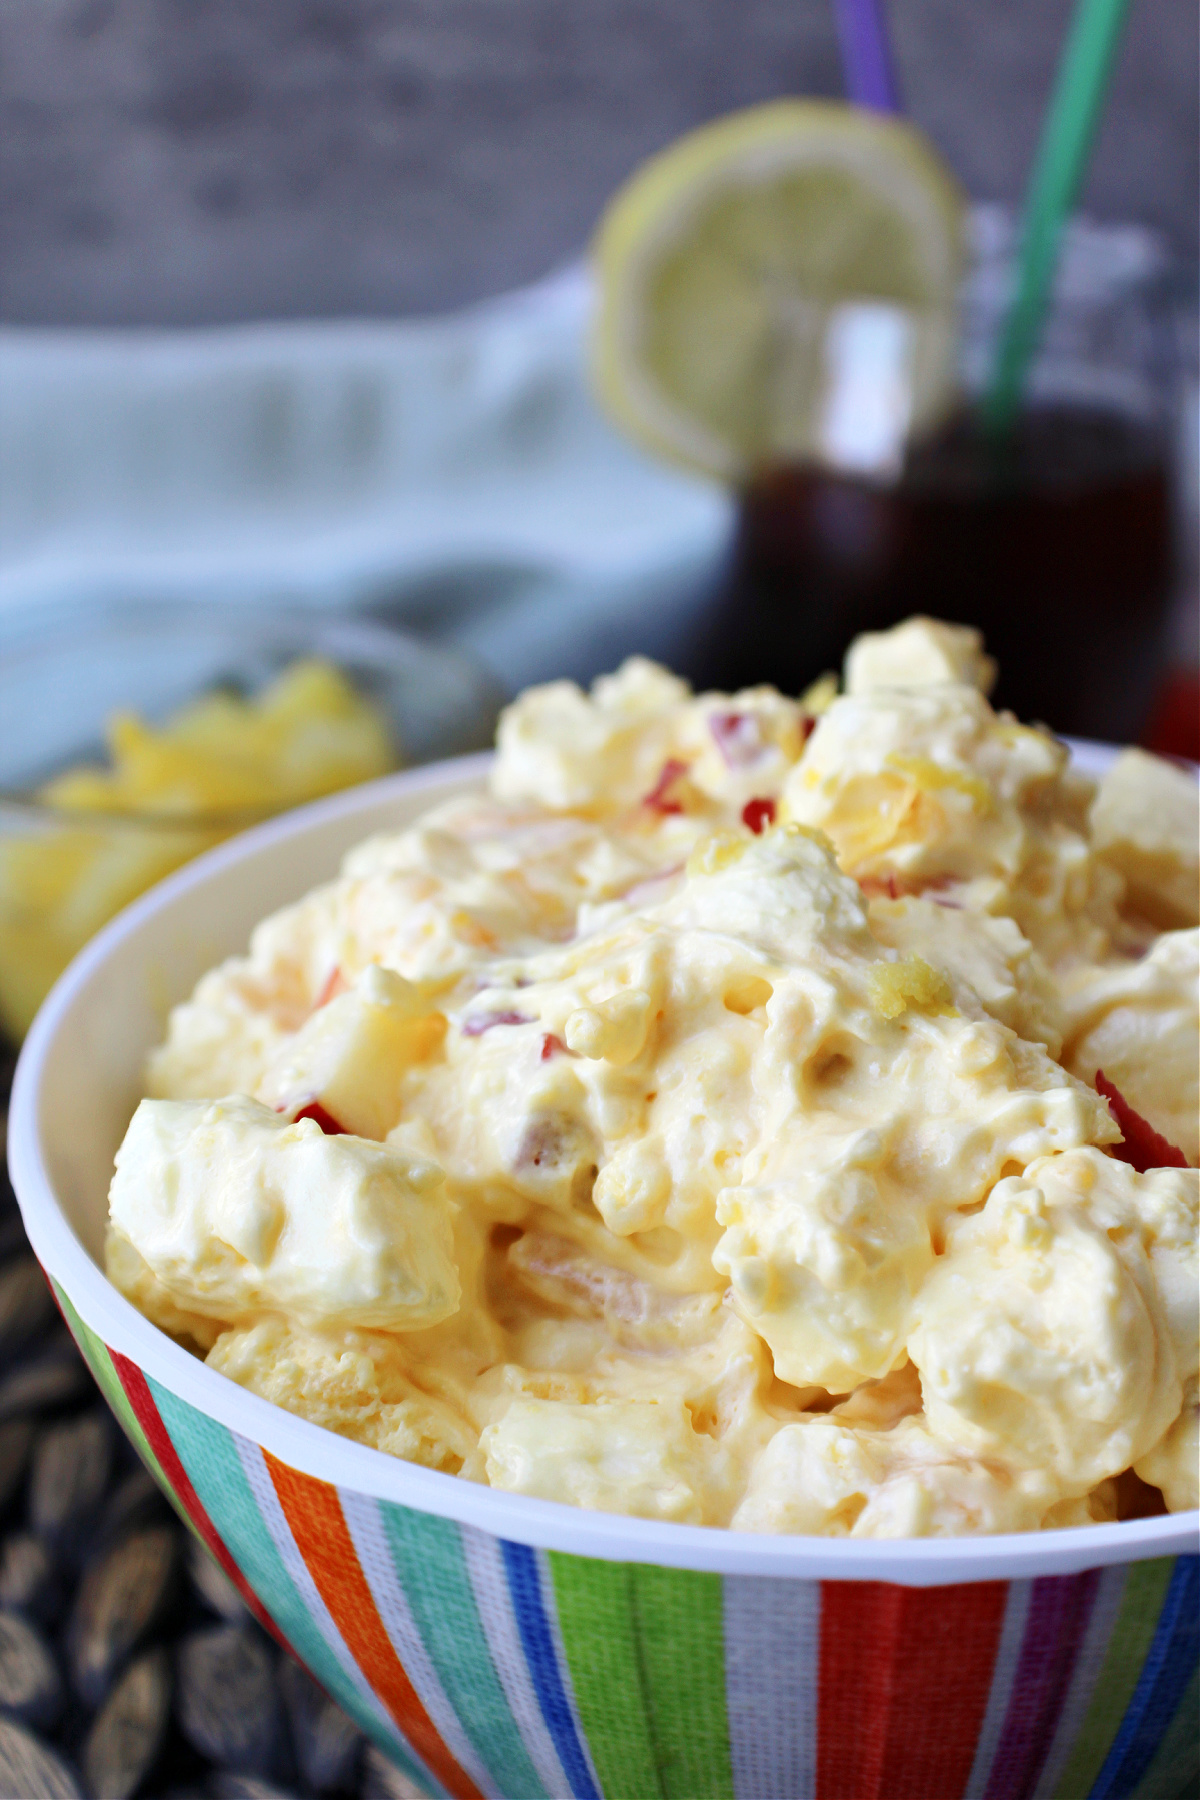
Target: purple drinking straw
{"points": [[865, 54]]}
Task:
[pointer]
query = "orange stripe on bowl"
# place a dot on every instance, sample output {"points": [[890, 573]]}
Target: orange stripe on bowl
{"points": [[314, 1515]]}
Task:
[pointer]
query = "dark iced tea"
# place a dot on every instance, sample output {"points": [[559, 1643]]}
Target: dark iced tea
{"points": [[1057, 544]]}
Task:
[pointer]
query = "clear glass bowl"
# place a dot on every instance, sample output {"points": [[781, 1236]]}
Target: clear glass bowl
{"points": [[64, 671]]}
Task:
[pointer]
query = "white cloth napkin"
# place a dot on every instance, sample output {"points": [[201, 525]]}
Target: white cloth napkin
{"points": [[453, 473]]}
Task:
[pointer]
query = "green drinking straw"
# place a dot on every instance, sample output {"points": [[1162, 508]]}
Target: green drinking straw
{"points": [[1066, 139]]}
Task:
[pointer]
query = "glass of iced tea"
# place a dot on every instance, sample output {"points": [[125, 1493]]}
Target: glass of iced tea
{"points": [[1056, 541]]}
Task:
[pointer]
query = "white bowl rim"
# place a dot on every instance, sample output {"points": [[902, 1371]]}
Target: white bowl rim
{"points": [[544, 1524]]}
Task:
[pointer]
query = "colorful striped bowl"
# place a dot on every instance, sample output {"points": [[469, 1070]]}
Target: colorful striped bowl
{"points": [[496, 1645]]}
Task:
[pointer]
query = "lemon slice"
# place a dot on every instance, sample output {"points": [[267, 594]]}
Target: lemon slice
{"points": [[750, 269]]}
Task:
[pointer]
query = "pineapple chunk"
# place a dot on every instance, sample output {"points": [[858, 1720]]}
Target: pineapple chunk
{"points": [[1146, 824], [350, 1057]]}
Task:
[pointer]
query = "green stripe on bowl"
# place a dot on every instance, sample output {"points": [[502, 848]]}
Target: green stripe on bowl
{"points": [[208, 1453], [597, 1620], [681, 1638], [96, 1355], [428, 1556], [1133, 1632]]}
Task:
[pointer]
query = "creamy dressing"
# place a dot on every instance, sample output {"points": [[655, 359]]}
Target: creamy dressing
{"points": [[702, 1124]]}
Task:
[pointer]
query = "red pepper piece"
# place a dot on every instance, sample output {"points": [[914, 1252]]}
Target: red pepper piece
{"points": [[552, 1046], [1144, 1148], [484, 1021], [758, 814], [329, 1125], [738, 737], [874, 885], [658, 799], [335, 983]]}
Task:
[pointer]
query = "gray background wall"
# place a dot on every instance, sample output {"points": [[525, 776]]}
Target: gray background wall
{"points": [[176, 161]]}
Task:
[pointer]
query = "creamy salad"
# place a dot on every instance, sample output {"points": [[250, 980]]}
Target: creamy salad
{"points": [[769, 1113]]}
